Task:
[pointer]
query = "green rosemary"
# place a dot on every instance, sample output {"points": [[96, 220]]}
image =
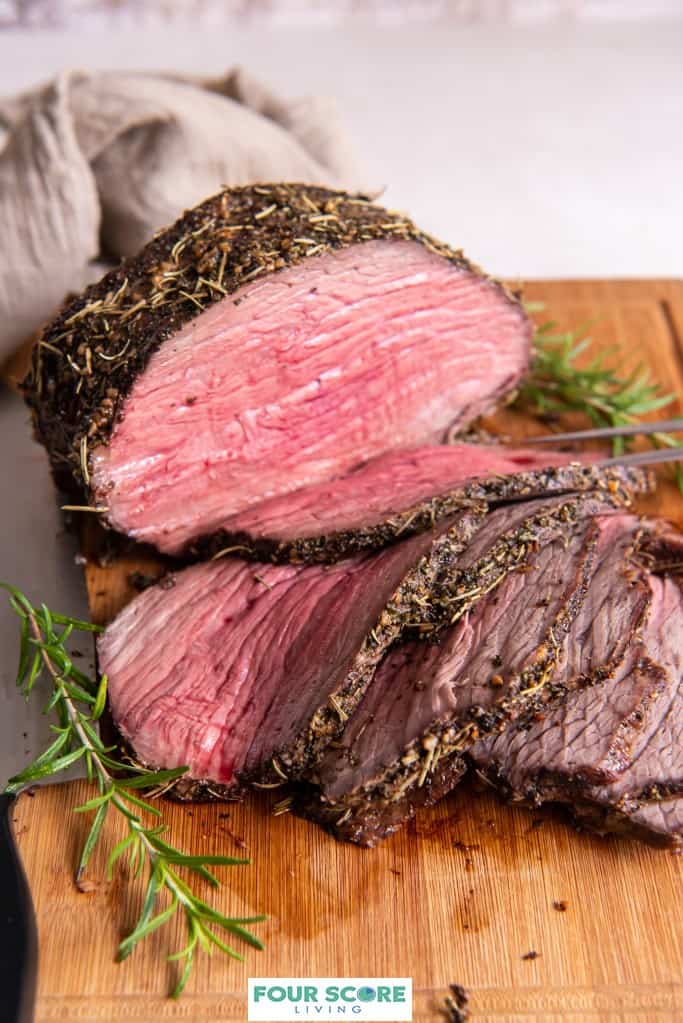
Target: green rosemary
{"points": [[78, 703], [556, 385]]}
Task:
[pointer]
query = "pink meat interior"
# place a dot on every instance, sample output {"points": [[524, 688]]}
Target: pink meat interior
{"points": [[385, 486], [251, 646], [297, 378]]}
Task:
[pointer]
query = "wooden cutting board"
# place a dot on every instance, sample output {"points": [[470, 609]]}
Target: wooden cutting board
{"points": [[459, 896]]}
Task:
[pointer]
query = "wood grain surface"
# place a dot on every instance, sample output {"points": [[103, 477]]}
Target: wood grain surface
{"points": [[459, 896]]}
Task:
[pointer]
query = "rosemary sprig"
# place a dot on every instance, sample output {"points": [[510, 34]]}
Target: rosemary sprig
{"points": [[556, 385], [78, 703]]}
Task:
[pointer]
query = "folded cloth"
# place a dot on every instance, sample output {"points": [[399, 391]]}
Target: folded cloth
{"points": [[94, 163]]}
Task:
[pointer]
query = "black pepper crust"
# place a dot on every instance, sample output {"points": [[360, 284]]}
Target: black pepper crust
{"points": [[591, 813], [406, 604], [432, 594], [656, 550], [379, 818], [411, 603], [393, 794], [494, 490], [621, 819], [86, 360]]}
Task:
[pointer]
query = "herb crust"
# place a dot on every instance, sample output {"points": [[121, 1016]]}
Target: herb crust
{"points": [[85, 362]]}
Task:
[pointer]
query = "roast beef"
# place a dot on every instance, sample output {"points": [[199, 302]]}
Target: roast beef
{"points": [[265, 663], [657, 820], [401, 493], [613, 752], [269, 662], [274, 338], [518, 600]]}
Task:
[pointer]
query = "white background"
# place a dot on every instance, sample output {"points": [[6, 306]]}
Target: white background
{"points": [[544, 148]]}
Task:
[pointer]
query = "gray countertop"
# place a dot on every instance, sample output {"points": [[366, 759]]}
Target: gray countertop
{"points": [[37, 556]]}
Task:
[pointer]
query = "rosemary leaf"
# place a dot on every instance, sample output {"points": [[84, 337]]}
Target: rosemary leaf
{"points": [[207, 875], [136, 860], [139, 802], [54, 700], [77, 692], [154, 779], [32, 675], [175, 956], [245, 935], [184, 977], [53, 749], [35, 771], [91, 840], [47, 619], [231, 925], [76, 623], [100, 699], [119, 849], [197, 861], [220, 944], [144, 930], [556, 385], [24, 649], [154, 885], [191, 861], [93, 736], [78, 702]]}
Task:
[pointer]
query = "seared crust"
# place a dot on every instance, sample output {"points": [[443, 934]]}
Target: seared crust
{"points": [[328, 721], [86, 360], [617, 480], [430, 754], [407, 605], [601, 803], [592, 814], [432, 594], [381, 817], [623, 819]]}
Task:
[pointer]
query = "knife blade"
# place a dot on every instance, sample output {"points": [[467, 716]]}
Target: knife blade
{"points": [[37, 555]]}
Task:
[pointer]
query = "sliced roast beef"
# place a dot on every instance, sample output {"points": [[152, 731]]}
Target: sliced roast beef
{"points": [[658, 820], [519, 602], [272, 339], [613, 752], [265, 659], [404, 492]]}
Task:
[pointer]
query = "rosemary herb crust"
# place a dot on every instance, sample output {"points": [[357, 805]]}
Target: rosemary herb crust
{"points": [[432, 595], [622, 819], [405, 605], [85, 362], [493, 490], [591, 814], [378, 818], [438, 753]]}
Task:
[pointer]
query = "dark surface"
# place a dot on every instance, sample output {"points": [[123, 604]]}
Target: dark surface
{"points": [[18, 934]]}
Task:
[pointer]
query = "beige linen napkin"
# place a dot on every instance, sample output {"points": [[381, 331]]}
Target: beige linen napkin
{"points": [[94, 163]]}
